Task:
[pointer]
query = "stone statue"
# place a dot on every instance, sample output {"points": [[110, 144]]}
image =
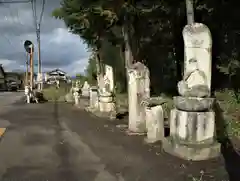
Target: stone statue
{"points": [[76, 91], [194, 83], [138, 90], [27, 93], [108, 81], [85, 89], [106, 94], [192, 121]]}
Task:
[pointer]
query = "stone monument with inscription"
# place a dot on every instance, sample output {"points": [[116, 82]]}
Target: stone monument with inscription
{"points": [[192, 122], [85, 89], [106, 94], [138, 90]]}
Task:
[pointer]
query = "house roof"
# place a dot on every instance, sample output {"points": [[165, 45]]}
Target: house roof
{"points": [[56, 71]]}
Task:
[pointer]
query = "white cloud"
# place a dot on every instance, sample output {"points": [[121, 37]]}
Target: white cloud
{"points": [[76, 67], [59, 48]]}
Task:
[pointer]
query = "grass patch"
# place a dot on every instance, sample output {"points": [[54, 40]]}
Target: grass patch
{"points": [[51, 93], [231, 111], [226, 99]]}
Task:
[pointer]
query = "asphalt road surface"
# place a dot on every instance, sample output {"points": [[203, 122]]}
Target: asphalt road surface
{"points": [[7, 99], [57, 142]]}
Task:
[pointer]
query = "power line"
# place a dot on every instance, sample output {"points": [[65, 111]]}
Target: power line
{"points": [[23, 1]]}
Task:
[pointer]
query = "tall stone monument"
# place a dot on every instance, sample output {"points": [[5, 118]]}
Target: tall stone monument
{"points": [[106, 94], [138, 90], [192, 122], [85, 89]]}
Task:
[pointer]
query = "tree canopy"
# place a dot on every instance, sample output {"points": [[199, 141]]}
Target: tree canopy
{"points": [[155, 31]]}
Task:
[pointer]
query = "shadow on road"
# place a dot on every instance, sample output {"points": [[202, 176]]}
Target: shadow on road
{"points": [[230, 155], [62, 148]]}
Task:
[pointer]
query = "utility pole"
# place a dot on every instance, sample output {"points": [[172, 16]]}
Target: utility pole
{"points": [[38, 28], [31, 68], [39, 76]]}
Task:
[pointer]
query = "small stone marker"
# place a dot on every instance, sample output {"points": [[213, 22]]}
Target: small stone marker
{"points": [[155, 124], [94, 98]]}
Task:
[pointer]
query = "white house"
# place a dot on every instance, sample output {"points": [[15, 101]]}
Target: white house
{"points": [[55, 74]]}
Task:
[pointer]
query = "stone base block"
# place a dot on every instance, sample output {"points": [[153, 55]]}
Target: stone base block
{"points": [[107, 107], [85, 93], [150, 140], [192, 127], [154, 124], [93, 101], [98, 113], [195, 152]]}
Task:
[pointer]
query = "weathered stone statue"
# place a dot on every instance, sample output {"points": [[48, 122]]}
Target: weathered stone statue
{"points": [[77, 92], [138, 90], [27, 94], [85, 89], [106, 94], [194, 83], [192, 122]]}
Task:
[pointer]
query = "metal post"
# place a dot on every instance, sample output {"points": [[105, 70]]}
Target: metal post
{"points": [[27, 71], [31, 69]]}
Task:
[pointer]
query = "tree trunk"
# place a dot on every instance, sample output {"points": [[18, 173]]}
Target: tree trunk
{"points": [[190, 11], [127, 48], [100, 74]]}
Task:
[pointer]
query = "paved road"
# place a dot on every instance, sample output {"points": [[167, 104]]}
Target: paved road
{"points": [[58, 142], [8, 98]]}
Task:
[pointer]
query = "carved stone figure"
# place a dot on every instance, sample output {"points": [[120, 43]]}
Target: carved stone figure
{"points": [[192, 121], [138, 90]]}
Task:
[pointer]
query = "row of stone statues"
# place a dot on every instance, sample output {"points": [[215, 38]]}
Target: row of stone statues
{"points": [[192, 121]]}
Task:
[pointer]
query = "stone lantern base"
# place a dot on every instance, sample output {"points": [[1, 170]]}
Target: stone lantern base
{"points": [[106, 103], [86, 93], [192, 132], [195, 152]]}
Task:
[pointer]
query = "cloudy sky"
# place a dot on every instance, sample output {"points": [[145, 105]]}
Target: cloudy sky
{"points": [[59, 48]]}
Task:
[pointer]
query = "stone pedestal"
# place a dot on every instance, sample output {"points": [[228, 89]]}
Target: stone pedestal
{"points": [[106, 103], [94, 98], [154, 124], [85, 92], [192, 133]]}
